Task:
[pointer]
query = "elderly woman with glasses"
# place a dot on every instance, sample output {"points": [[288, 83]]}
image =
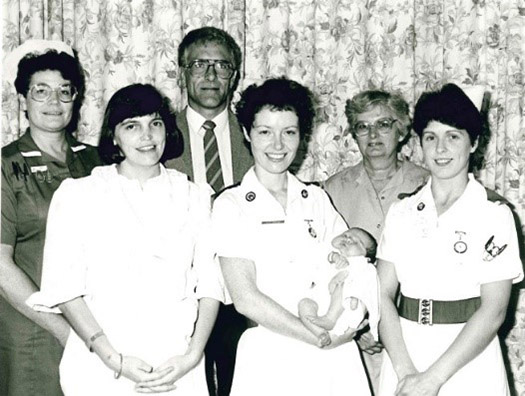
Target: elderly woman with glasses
{"points": [[50, 86], [380, 124]]}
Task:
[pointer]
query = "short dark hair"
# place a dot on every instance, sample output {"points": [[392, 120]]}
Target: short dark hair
{"points": [[279, 94], [367, 100], [137, 100], [68, 66], [451, 106], [210, 34]]}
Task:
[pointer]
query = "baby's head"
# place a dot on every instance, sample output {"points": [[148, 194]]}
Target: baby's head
{"points": [[356, 242]]}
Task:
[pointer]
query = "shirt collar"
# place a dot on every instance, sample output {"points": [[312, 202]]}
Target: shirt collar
{"points": [[250, 183], [195, 121]]}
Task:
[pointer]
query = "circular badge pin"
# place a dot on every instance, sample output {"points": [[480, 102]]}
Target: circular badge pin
{"points": [[250, 196], [304, 193], [460, 247], [420, 206]]}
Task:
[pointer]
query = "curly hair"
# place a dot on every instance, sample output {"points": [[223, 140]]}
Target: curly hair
{"points": [[394, 102], [277, 94], [69, 67], [137, 100], [451, 106]]}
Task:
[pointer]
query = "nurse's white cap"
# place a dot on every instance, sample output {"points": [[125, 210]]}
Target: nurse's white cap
{"points": [[34, 46], [475, 94]]}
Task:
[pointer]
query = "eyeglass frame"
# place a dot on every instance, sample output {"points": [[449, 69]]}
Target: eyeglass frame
{"points": [[374, 126], [209, 63], [51, 90]]}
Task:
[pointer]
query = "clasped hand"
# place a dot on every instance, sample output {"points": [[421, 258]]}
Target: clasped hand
{"points": [[160, 379], [418, 384]]}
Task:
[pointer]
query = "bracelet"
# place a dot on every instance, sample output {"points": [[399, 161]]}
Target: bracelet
{"points": [[91, 340], [119, 372]]}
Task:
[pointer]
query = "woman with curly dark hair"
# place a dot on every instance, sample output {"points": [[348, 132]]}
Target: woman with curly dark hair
{"points": [[270, 232], [50, 85]]}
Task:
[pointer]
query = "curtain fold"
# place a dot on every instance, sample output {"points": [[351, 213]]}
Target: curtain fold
{"points": [[335, 47]]}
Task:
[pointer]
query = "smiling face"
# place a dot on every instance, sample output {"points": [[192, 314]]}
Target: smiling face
{"points": [[52, 115], [446, 151], [141, 140], [274, 140], [373, 144], [208, 94]]}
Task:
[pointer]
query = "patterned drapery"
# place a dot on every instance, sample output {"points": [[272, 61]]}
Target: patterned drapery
{"points": [[336, 47]]}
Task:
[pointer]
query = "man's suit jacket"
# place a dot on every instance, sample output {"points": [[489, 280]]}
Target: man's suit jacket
{"points": [[242, 159]]}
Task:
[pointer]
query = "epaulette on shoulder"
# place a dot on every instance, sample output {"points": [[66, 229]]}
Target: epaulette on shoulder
{"points": [[9, 150], [493, 196], [312, 183], [214, 196], [406, 195]]}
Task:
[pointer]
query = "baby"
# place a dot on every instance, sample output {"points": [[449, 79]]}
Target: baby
{"points": [[353, 291]]}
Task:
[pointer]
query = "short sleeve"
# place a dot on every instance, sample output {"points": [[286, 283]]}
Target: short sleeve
{"points": [[205, 264], [386, 249], [9, 217], [501, 259], [231, 230], [334, 222], [64, 268]]}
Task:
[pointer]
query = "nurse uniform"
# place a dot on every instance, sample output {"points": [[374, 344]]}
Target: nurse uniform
{"points": [[448, 258], [286, 247]]}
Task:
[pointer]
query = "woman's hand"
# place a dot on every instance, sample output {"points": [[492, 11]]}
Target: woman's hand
{"points": [[368, 344], [135, 369], [347, 336], [418, 384], [178, 366]]}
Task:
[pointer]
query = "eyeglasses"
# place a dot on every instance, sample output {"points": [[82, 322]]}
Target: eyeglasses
{"points": [[42, 92], [199, 67], [382, 127]]}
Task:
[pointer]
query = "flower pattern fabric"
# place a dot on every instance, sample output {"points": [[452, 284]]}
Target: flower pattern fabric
{"points": [[337, 48]]}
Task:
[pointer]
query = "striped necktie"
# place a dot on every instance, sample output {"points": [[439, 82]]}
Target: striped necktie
{"points": [[211, 157]]}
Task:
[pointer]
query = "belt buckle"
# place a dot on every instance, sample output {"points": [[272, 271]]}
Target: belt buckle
{"points": [[425, 312]]}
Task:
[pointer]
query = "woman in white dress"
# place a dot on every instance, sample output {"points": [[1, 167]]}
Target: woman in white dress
{"points": [[271, 233], [453, 254], [132, 271]]}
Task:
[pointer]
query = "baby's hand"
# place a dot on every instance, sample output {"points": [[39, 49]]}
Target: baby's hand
{"points": [[324, 340], [338, 260]]}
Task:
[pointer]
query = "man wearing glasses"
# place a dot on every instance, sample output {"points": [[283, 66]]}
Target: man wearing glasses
{"points": [[214, 152], [209, 61]]}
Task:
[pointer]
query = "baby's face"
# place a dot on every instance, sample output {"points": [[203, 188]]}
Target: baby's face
{"points": [[350, 243]]}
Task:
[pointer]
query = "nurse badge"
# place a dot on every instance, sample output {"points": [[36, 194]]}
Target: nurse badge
{"points": [[460, 246], [491, 250], [311, 230]]}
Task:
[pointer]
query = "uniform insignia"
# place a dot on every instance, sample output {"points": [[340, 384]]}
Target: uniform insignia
{"points": [[29, 154], [311, 230], [80, 147], [250, 196], [492, 250], [304, 193], [460, 246], [406, 195]]}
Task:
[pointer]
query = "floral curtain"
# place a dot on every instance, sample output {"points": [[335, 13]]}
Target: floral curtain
{"points": [[336, 47]]}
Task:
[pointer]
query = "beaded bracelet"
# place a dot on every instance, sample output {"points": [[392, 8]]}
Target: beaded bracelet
{"points": [[91, 340], [119, 372]]}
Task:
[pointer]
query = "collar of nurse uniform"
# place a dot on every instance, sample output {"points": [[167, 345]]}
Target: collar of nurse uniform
{"points": [[253, 189]]}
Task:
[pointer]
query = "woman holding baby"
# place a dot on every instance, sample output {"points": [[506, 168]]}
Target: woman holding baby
{"points": [[273, 232]]}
